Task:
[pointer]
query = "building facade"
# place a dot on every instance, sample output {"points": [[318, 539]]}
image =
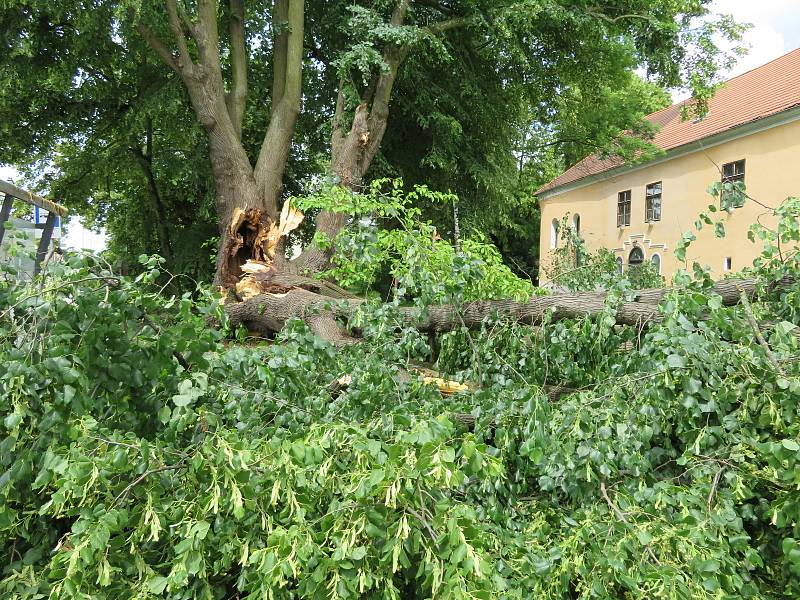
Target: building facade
{"points": [[751, 134]]}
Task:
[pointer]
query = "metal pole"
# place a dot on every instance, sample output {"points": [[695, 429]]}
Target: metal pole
{"points": [[5, 213], [44, 243]]}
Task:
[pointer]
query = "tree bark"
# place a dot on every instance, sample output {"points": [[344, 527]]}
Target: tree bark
{"points": [[352, 152], [237, 98], [288, 29], [270, 312], [238, 185]]}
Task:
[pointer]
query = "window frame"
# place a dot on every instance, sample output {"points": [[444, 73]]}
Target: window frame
{"points": [[624, 203], [727, 264], [655, 260], [652, 213], [640, 251], [735, 176]]}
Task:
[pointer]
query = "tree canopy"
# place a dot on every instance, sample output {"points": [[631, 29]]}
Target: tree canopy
{"points": [[97, 100]]}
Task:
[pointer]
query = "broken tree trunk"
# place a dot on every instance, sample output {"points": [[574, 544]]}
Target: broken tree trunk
{"points": [[269, 312]]}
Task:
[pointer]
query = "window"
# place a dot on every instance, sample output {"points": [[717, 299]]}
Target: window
{"points": [[554, 233], [727, 264], [733, 195], [624, 209], [653, 202], [576, 224], [656, 260], [619, 265], [636, 257]]}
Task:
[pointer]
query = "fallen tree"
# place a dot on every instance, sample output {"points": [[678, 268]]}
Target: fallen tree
{"points": [[269, 312]]}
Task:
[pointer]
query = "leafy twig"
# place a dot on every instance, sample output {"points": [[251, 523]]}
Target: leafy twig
{"points": [[748, 310], [714, 486], [142, 477], [621, 516]]}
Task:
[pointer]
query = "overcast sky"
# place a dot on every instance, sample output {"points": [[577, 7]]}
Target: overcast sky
{"points": [[776, 28], [776, 31]]}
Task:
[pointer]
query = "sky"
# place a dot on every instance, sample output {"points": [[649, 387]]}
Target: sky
{"points": [[775, 31]]}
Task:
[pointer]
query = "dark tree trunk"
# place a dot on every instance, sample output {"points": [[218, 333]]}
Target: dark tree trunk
{"points": [[145, 161]]}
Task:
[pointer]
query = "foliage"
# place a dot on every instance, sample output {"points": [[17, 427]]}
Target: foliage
{"points": [[465, 101], [572, 267], [389, 238], [143, 456]]}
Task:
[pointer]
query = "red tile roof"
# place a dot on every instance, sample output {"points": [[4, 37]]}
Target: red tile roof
{"points": [[765, 91]]}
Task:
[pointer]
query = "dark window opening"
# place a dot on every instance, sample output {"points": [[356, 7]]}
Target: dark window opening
{"points": [[636, 257], [733, 184], [656, 260], [653, 202], [624, 209]]}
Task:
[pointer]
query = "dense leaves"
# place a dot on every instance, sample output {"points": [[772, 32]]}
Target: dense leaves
{"points": [[144, 456], [491, 100]]}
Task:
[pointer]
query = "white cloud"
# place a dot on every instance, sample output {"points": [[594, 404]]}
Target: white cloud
{"points": [[774, 31], [772, 21]]}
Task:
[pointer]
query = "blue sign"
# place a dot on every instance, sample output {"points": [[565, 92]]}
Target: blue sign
{"points": [[40, 216]]}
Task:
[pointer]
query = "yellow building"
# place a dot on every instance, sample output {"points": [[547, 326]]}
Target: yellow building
{"points": [[640, 211]]}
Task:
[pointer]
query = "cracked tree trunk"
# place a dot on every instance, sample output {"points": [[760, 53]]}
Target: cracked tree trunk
{"points": [[270, 312]]}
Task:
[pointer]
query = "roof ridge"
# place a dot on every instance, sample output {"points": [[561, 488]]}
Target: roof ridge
{"points": [[687, 100], [769, 62], [768, 93]]}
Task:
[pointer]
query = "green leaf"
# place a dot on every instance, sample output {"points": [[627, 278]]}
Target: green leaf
{"points": [[157, 584], [676, 361]]}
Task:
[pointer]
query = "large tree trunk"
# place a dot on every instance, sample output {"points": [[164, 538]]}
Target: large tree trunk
{"points": [[269, 312], [354, 149], [239, 187]]}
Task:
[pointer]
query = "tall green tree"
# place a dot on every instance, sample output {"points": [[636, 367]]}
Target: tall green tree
{"points": [[243, 73]]}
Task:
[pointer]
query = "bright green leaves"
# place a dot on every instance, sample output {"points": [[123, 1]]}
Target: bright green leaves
{"points": [[189, 390], [422, 263], [668, 464]]}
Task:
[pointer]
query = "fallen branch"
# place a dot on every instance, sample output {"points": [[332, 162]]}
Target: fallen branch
{"points": [[751, 318], [271, 311], [714, 486], [621, 516]]}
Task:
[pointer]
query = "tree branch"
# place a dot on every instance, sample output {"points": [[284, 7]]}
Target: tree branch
{"points": [[237, 99], [159, 47], [447, 25], [621, 516], [748, 310], [274, 152], [280, 44], [184, 58], [206, 34], [598, 13]]}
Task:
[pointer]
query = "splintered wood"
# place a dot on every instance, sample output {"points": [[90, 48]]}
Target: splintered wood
{"points": [[260, 239]]}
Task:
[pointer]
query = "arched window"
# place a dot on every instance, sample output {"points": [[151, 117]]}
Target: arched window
{"points": [[636, 257], [656, 260], [554, 234], [619, 265], [576, 224]]}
